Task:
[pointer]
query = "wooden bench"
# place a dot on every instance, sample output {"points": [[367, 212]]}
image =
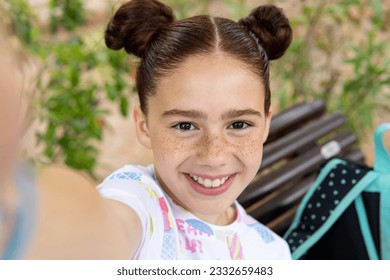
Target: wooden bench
{"points": [[301, 139]]}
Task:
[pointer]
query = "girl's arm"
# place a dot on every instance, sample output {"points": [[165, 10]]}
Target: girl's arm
{"points": [[75, 222]]}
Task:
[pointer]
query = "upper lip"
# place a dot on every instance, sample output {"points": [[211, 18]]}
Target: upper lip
{"points": [[204, 176]]}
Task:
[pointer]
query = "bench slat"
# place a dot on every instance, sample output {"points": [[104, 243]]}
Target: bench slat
{"points": [[293, 142], [296, 168], [293, 117]]}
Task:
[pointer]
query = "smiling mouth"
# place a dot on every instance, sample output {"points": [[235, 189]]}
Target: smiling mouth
{"points": [[208, 183]]}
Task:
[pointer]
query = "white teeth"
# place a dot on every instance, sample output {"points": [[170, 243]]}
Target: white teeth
{"points": [[216, 183], [207, 183]]}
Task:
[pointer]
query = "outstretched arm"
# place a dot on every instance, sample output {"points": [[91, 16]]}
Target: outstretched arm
{"points": [[75, 222]]}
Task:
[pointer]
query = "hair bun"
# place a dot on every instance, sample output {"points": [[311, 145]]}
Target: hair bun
{"points": [[269, 24], [134, 24]]}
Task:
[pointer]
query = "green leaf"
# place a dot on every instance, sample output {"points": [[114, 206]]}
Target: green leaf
{"points": [[81, 159], [110, 91], [124, 106]]}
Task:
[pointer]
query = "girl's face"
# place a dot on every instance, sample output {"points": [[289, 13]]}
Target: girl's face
{"points": [[206, 126]]}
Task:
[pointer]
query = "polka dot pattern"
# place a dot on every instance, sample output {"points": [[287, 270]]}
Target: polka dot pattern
{"points": [[336, 185]]}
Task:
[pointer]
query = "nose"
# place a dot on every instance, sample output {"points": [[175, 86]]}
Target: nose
{"points": [[213, 151]]}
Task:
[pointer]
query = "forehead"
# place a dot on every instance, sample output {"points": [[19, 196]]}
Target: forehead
{"points": [[217, 80]]}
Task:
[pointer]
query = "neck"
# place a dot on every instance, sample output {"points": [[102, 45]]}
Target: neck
{"points": [[224, 219]]}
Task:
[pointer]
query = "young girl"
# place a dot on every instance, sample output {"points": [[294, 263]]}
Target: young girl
{"points": [[204, 110], [203, 86]]}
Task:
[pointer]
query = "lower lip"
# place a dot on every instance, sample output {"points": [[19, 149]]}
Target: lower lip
{"points": [[210, 191]]}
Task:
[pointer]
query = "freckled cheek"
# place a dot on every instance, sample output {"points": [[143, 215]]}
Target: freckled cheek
{"points": [[169, 147], [249, 148]]}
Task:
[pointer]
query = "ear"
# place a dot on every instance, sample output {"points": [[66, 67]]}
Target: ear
{"points": [[268, 118], [141, 127]]}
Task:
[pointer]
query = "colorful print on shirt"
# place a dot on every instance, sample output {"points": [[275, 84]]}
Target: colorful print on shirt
{"points": [[171, 232]]}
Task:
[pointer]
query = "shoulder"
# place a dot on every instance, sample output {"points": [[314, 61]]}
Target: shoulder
{"points": [[129, 177], [132, 172], [136, 187], [133, 185]]}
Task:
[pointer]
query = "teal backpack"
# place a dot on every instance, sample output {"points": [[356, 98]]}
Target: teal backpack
{"points": [[346, 213]]}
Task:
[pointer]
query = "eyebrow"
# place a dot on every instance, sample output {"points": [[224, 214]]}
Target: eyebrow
{"points": [[195, 114], [231, 114]]}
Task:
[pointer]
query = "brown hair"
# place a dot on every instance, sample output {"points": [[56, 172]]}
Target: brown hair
{"points": [[148, 29]]}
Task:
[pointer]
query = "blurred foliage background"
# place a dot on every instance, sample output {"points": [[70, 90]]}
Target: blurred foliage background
{"points": [[339, 53]]}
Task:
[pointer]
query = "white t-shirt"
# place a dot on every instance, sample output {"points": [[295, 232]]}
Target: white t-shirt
{"points": [[170, 232]]}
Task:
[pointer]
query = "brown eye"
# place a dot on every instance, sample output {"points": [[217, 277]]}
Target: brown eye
{"points": [[239, 125], [185, 126]]}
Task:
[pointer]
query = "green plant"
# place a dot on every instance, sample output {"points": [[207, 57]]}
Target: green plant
{"points": [[337, 58], [69, 14], [370, 76], [116, 85], [72, 100], [23, 20], [334, 56], [70, 108], [79, 74]]}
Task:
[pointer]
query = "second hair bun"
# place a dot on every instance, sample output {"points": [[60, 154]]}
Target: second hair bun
{"points": [[269, 24]]}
